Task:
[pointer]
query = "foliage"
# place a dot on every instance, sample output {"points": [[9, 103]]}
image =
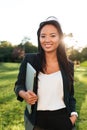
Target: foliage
{"points": [[84, 54], [11, 110], [17, 54], [5, 51], [9, 53], [29, 48], [5, 44], [74, 54]]}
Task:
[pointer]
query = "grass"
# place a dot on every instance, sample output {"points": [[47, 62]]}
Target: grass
{"points": [[11, 110], [81, 95], [84, 64]]}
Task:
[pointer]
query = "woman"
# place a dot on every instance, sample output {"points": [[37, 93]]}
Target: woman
{"points": [[52, 100]]}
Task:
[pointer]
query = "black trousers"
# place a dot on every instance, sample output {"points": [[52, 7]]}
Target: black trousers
{"points": [[53, 120]]}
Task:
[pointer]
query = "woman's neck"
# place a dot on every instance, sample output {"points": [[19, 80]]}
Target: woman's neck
{"points": [[51, 63], [51, 57]]}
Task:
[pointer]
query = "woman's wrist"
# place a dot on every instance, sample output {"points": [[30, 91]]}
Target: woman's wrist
{"points": [[22, 93], [74, 114]]}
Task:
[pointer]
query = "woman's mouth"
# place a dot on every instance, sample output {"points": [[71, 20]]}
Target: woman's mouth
{"points": [[48, 45]]}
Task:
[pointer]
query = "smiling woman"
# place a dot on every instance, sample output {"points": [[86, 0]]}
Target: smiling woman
{"points": [[55, 110]]}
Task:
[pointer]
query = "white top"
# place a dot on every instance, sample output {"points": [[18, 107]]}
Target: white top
{"points": [[50, 91]]}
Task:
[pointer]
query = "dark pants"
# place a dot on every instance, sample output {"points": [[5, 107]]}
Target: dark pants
{"points": [[53, 120]]}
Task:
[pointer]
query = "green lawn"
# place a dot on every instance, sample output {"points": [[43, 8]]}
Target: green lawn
{"points": [[11, 110], [81, 96]]}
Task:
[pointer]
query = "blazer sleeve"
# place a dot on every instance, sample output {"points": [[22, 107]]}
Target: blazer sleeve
{"points": [[20, 83], [72, 100]]}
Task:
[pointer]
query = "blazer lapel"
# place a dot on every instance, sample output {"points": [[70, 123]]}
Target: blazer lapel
{"points": [[65, 83]]}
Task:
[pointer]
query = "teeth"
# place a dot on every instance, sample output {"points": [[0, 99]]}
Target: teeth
{"points": [[48, 45]]}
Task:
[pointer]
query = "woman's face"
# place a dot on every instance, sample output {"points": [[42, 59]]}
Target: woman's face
{"points": [[49, 38]]}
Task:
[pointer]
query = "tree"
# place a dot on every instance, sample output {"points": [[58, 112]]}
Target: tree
{"points": [[84, 54], [27, 46], [5, 51], [5, 44], [17, 54], [9, 53], [75, 55]]}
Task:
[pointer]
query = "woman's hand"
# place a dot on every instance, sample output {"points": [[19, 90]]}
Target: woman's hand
{"points": [[73, 119], [29, 96]]}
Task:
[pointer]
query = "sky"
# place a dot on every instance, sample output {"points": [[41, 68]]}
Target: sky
{"points": [[21, 18]]}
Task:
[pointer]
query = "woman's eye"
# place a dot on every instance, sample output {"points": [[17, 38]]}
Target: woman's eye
{"points": [[42, 36], [53, 35]]}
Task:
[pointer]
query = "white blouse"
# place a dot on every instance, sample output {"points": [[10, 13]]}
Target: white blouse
{"points": [[50, 91]]}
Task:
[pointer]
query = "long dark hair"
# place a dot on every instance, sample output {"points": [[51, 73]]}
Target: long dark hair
{"points": [[61, 51]]}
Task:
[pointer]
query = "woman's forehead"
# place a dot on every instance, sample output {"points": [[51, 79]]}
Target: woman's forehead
{"points": [[49, 28]]}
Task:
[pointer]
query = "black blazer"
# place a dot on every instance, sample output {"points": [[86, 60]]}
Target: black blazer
{"points": [[35, 61]]}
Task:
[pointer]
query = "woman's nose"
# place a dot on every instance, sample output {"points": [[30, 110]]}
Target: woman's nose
{"points": [[47, 39]]}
